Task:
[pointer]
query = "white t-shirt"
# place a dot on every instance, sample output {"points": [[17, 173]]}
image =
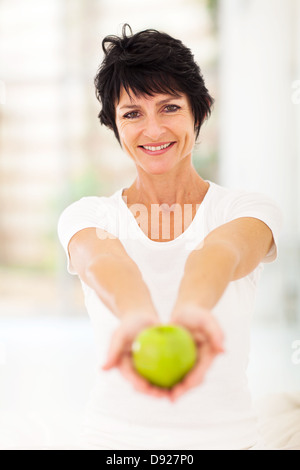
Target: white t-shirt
{"points": [[216, 415]]}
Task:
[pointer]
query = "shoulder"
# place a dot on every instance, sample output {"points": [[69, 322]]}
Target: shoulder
{"points": [[226, 204], [227, 194], [89, 206], [231, 200], [89, 211], [92, 202], [220, 196]]}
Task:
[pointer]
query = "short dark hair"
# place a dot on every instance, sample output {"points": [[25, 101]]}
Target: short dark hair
{"points": [[147, 63]]}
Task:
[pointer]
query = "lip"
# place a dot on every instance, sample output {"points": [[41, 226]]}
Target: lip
{"points": [[157, 152]]}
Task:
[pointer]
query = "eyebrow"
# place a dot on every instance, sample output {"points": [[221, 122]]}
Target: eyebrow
{"points": [[134, 106]]}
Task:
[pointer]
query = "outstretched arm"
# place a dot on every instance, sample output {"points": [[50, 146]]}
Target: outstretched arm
{"points": [[103, 264], [228, 253]]}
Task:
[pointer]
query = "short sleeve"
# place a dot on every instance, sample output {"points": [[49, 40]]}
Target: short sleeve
{"points": [[259, 206], [85, 213]]}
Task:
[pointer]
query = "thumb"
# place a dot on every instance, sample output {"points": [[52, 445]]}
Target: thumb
{"points": [[214, 333]]}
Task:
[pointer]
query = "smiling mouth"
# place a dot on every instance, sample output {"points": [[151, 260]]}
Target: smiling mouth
{"points": [[156, 148]]}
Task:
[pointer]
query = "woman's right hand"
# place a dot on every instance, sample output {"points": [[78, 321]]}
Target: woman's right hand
{"points": [[120, 352]]}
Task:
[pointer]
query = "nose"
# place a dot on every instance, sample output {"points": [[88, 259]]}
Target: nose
{"points": [[153, 128]]}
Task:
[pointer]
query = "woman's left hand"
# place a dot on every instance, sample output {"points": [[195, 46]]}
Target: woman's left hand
{"points": [[209, 339], [205, 331]]}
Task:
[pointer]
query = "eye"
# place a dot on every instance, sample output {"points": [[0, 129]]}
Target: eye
{"points": [[172, 108], [131, 115]]}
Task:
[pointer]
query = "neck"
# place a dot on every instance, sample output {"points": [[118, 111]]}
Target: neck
{"points": [[184, 188]]}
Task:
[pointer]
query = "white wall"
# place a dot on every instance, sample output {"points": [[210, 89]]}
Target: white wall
{"points": [[259, 122]]}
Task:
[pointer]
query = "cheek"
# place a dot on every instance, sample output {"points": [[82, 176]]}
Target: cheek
{"points": [[187, 133], [126, 133], [120, 128], [185, 124]]}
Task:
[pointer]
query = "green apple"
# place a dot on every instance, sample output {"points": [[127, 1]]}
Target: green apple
{"points": [[164, 354]]}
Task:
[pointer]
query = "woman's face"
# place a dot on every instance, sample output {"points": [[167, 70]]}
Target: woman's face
{"points": [[157, 132]]}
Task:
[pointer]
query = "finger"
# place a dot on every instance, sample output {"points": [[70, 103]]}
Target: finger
{"points": [[196, 376], [213, 332], [179, 389], [122, 338], [139, 383], [177, 393], [129, 374], [199, 337], [204, 327]]}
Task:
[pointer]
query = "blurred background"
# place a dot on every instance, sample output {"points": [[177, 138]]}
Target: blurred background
{"points": [[54, 151]]}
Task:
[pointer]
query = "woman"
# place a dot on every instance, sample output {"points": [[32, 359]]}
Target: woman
{"points": [[171, 248]]}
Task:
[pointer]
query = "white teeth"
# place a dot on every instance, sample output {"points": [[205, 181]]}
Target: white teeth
{"points": [[153, 149]]}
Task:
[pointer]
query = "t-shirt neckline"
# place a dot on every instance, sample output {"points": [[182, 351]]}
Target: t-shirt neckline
{"points": [[176, 240]]}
